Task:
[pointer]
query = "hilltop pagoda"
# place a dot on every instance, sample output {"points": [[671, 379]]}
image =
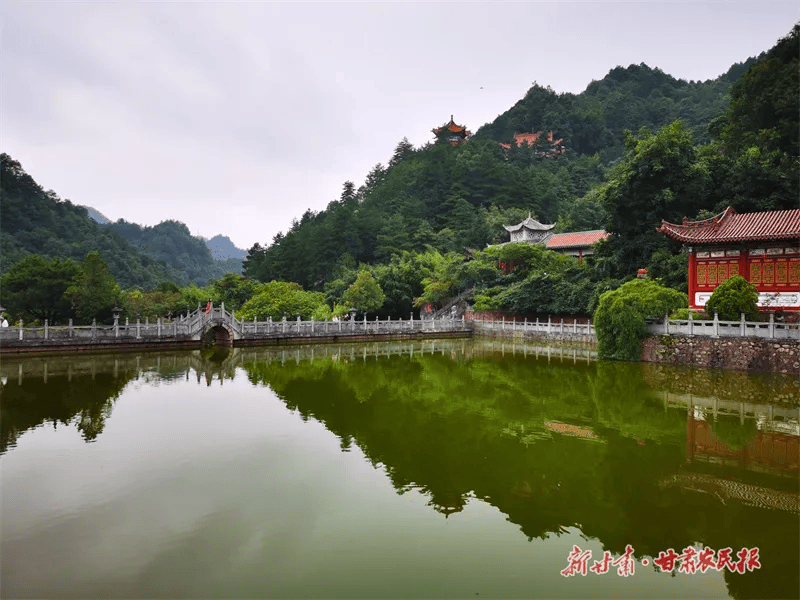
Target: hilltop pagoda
{"points": [[451, 133], [762, 247]]}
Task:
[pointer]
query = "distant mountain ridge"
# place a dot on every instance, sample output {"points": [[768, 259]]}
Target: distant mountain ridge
{"points": [[222, 248], [35, 221], [97, 215], [171, 241]]}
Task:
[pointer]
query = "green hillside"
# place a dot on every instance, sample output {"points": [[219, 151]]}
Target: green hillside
{"points": [[640, 146], [171, 241], [626, 98], [35, 221], [455, 197]]}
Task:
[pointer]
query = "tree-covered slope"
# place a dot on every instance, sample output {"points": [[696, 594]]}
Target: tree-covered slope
{"points": [[97, 215], [700, 146], [35, 221], [172, 242], [626, 98]]}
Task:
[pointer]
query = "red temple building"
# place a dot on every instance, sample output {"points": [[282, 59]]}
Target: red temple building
{"points": [[555, 148], [451, 133], [763, 247]]}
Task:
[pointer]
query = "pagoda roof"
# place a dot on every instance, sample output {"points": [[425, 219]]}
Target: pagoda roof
{"points": [[576, 239], [731, 227], [529, 223], [452, 128]]}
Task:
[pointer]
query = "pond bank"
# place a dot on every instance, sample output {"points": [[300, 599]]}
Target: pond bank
{"points": [[777, 356]]}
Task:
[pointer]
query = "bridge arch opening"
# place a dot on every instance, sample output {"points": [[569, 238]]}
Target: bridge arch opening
{"points": [[218, 336]]}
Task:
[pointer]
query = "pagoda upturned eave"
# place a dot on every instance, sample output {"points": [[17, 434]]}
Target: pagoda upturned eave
{"points": [[529, 223], [730, 227]]}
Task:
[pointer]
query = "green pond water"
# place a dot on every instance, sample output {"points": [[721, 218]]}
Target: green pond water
{"points": [[446, 469]]}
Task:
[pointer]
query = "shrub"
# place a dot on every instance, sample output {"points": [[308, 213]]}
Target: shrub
{"points": [[277, 299], [733, 297], [619, 318], [682, 314]]}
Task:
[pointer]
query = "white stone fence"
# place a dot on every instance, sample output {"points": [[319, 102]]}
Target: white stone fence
{"points": [[190, 327], [312, 328], [735, 329], [162, 328], [548, 327]]}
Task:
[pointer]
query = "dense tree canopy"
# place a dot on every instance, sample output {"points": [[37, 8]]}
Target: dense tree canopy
{"points": [[94, 292], [34, 288], [171, 243]]}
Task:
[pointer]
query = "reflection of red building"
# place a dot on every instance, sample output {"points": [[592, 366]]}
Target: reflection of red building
{"points": [[452, 133], [766, 450], [764, 248]]}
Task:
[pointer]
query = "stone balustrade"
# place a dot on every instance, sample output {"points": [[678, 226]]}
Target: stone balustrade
{"points": [[770, 330]]}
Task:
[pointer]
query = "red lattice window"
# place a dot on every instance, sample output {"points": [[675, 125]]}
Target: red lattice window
{"points": [[755, 272]]}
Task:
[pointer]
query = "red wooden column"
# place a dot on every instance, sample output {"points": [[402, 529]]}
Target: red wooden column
{"points": [[744, 265], [692, 277]]}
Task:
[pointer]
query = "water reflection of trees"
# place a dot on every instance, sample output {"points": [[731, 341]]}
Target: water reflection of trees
{"points": [[551, 445], [82, 400], [553, 442], [80, 390]]}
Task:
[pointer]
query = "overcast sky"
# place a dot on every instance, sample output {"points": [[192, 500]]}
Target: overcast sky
{"points": [[236, 117]]}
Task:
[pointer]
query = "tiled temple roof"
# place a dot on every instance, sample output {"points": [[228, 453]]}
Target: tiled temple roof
{"points": [[529, 223], [453, 128], [731, 227], [577, 239]]}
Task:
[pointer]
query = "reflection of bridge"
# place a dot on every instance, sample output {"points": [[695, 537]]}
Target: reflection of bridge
{"points": [[173, 362], [768, 417]]}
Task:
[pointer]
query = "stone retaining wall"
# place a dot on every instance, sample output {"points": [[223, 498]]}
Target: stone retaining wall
{"points": [[779, 356], [348, 337], [51, 346], [552, 338]]}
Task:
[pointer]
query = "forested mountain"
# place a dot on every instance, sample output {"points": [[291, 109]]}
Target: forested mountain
{"points": [[97, 215], [641, 146], [172, 242], [626, 98], [35, 221], [455, 197], [222, 248]]}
